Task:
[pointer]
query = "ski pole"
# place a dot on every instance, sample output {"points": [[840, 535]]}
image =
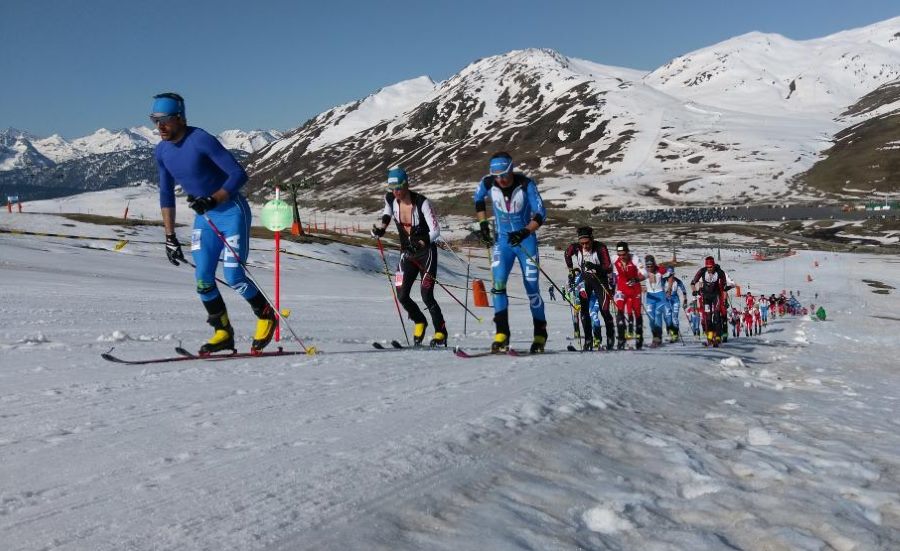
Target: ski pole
{"points": [[468, 273], [387, 272], [311, 350], [192, 265], [604, 285], [555, 286], [575, 326]]}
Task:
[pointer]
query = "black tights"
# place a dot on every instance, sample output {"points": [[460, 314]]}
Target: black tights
{"points": [[411, 266]]}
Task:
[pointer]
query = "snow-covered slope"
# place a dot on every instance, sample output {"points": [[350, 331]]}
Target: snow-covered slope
{"points": [[107, 141], [247, 141], [346, 120], [18, 152], [768, 73], [784, 441]]}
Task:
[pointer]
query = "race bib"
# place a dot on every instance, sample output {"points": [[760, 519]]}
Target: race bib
{"points": [[398, 279], [195, 239]]}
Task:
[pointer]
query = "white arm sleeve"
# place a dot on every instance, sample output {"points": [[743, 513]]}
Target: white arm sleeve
{"points": [[434, 228]]}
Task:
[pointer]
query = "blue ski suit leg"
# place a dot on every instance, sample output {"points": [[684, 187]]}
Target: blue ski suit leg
{"points": [[673, 312], [503, 258], [233, 220], [656, 306]]}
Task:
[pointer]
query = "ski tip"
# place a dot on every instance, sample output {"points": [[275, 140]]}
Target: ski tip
{"points": [[378, 345], [396, 344]]}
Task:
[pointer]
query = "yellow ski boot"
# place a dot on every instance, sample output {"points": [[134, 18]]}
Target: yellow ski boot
{"points": [[500, 344], [266, 323], [222, 339], [419, 333], [440, 338]]}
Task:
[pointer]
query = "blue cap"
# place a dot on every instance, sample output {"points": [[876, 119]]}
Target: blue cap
{"points": [[397, 178], [501, 165], [165, 105]]}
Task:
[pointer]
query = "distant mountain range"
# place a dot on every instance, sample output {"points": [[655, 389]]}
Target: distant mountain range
{"points": [[43, 168], [756, 118]]}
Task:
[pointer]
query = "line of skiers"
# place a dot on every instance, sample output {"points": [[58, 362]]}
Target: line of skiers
{"points": [[598, 284], [212, 179], [606, 293]]}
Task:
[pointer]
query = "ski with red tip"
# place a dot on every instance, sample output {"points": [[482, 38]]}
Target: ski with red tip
{"points": [[186, 356]]}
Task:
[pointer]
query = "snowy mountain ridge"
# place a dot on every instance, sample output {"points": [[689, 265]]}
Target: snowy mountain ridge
{"points": [[59, 150], [761, 72], [735, 122]]}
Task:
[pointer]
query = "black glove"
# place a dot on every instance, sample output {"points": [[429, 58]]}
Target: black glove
{"points": [[418, 242], [173, 249], [414, 246], [485, 231], [695, 293], [518, 236], [378, 232], [573, 273], [593, 267], [201, 204]]}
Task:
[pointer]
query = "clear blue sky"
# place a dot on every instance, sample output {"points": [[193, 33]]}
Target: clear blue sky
{"points": [[70, 67]]}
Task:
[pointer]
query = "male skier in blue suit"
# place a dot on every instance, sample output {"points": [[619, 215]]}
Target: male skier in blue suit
{"points": [[518, 213], [211, 177]]}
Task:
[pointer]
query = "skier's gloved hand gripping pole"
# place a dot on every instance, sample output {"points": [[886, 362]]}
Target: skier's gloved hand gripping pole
{"points": [[311, 350]]}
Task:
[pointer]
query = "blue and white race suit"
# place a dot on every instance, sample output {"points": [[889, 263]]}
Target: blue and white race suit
{"points": [[672, 312], [514, 207]]}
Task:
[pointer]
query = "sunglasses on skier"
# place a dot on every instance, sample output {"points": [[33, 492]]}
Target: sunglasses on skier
{"points": [[163, 119]]}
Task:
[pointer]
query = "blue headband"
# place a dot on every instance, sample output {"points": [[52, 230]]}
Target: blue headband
{"points": [[501, 165], [167, 106]]}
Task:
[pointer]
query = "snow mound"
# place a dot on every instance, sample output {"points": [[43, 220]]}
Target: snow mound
{"points": [[117, 336], [40, 338], [606, 519], [732, 362]]}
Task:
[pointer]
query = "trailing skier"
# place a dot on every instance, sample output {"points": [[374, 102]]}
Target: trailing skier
{"points": [[710, 286], [628, 293], [589, 261], [657, 303], [418, 227], [673, 287], [518, 213]]}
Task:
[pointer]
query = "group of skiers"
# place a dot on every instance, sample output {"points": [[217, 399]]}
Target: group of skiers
{"points": [[212, 179], [518, 213], [634, 288]]}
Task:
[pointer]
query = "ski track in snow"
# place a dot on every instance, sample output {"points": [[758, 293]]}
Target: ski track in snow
{"points": [[784, 441]]}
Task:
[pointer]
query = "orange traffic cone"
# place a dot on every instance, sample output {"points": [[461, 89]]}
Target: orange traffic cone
{"points": [[479, 295]]}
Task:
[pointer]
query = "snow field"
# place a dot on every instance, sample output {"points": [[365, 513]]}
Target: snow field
{"points": [[786, 440]]}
